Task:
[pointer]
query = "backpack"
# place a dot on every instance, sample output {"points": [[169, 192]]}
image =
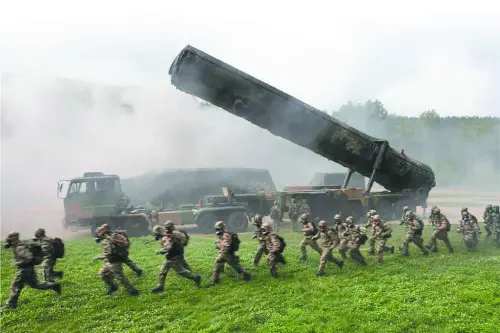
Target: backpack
{"points": [[187, 237], [120, 243], [315, 228], [282, 243], [235, 242], [58, 245], [36, 251]]}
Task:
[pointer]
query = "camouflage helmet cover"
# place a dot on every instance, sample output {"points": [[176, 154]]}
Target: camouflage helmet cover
{"points": [[13, 236], [159, 229], [169, 225], [39, 233], [220, 225], [337, 217], [266, 227], [304, 217], [102, 230]]}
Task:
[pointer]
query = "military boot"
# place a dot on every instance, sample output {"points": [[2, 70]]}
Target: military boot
{"points": [[213, 283], [112, 288], [134, 292], [320, 274], [380, 258], [57, 288], [138, 272], [58, 274], [8, 306], [247, 276], [157, 289], [197, 280]]}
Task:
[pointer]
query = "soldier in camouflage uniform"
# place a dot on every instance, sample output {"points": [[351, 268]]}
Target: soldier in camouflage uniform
{"points": [[160, 231], [293, 215], [469, 230], [357, 237], [381, 232], [226, 255], [114, 255], [258, 234], [373, 239], [441, 227], [173, 242], [495, 220], [275, 246], [275, 215], [309, 229], [471, 217], [414, 234], [24, 260], [304, 208], [403, 221], [49, 256], [488, 220], [126, 258], [343, 232], [329, 239]]}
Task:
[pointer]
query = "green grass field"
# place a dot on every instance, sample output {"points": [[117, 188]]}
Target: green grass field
{"points": [[439, 293]]}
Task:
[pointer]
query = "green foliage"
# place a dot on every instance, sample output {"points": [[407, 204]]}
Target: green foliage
{"points": [[461, 150], [440, 293]]}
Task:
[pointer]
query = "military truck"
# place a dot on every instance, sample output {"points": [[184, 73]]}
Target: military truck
{"points": [[407, 181], [97, 198]]}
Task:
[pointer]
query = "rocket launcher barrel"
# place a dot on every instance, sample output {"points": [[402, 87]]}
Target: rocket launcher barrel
{"points": [[201, 75]]}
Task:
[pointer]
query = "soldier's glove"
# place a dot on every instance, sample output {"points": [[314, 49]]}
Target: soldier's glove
{"points": [[163, 252]]}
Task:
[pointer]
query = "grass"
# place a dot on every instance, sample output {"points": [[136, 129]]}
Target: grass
{"points": [[440, 293]]}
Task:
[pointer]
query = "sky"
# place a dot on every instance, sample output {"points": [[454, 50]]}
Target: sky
{"points": [[413, 57]]}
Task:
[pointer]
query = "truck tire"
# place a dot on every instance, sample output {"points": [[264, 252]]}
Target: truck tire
{"points": [[237, 222], [206, 222], [136, 227]]}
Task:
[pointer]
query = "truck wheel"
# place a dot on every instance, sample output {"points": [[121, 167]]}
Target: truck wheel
{"points": [[206, 222], [237, 222], [136, 227]]}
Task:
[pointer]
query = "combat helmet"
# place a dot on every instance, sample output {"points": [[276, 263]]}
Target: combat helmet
{"points": [[266, 228], [322, 224], [304, 218], [13, 237], [169, 226], [220, 227], [39, 233]]}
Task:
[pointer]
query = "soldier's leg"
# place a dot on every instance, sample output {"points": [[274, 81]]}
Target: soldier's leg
{"points": [[217, 270], [314, 245], [117, 268], [106, 275], [432, 246], [234, 262], [419, 242], [404, 247], [497, 238], [271, 262], [343, 248], [47, 269], [260, 251], [446, 241], [162, 275], [15, 289], [371, 244], [322, 262], [133, 266], [380, 249], [331, 258], [487, 228], [29, 276], [178, 266], [303, 251], [356, 254]]}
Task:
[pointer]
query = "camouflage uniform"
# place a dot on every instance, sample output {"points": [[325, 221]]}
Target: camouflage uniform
{"points": [[471, 217], [488, 220], [305, 209], [329, 239], [293, 215], [258, 234], [496, 225], [49, 257], [173, 242], [381, 232], [413, 234], [470, 231], [372, 240], [309, 230], [274, 245], [24, 260], [356, 235], [343, 232], [275, 215], [113, 263], [403, 219], [441, 227], [226, 254]]}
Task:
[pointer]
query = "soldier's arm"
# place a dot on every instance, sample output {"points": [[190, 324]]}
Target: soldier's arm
{"points": [[106, 250], [226, 243], [315, 237]]}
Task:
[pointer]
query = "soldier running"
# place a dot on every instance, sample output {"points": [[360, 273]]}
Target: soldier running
{"points": [[293, 215], [329, 239], [343, 232], [275, 215], [49, 256], [413, 234], [25, 259], [381, 232], [173, 243], [373, 239], [115, 251], [259, 235], [227, 244], [441, 227], [357, 237], [275, 247], [309, 229], [488, 220], [469, 230]]}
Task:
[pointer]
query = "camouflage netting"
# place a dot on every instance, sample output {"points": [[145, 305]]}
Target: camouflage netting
{"points": [[320, 179], [186, 186]]}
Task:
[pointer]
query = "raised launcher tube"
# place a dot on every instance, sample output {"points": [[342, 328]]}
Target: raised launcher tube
{"points": [[220, 84]]}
